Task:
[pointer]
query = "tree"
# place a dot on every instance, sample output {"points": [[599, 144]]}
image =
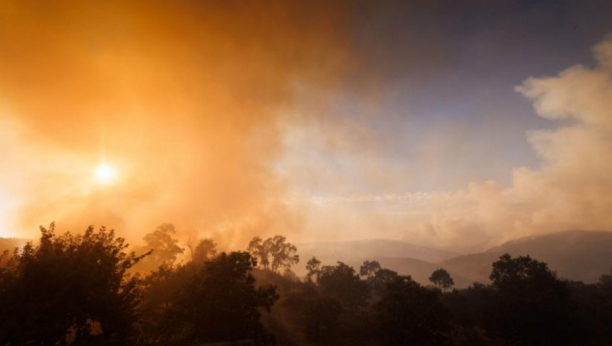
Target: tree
{"points": [[442, 279], [317, 316], [313, 266], [409, 314], [221, 303], [341, 282], [380, 281], [165, 247], [605, 280], [529, 305], [369, 268], [69, 283], [274, 253], [160, 289], [520, 273], [204, 251], [258, 249]]}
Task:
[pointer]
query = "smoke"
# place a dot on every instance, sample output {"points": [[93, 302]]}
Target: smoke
{"points": [[571, 188], [233, 119], [187, 99]]}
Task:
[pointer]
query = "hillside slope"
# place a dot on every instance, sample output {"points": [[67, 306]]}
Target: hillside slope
{"points": [[405, 258], [574, 255], [374, 247]]}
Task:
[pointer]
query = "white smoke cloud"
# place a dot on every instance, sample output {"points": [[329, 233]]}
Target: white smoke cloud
{"points": [[571, 189]]}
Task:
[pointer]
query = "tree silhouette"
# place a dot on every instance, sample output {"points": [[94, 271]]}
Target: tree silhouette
{"points": [[369, 268], [160, 289], [205, 250], [605, 280], [529, 305], [221, 303], [165, 247], [318, 316], [342, 283], [274, 253], [442, 279], [379, 282], [313, 266], [74, 283], [409, 314]]}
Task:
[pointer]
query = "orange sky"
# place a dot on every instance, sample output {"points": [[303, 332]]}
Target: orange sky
{"points": [[232, 119], [185, 98]]}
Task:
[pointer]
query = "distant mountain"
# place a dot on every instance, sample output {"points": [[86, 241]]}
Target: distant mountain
{"points": [[420, 270], [345, 250], [574, 255], [403, 257], [475, 267]]}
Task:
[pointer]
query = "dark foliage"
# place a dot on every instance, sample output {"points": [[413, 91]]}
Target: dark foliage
{"points": [[342, 283], [220, 303], [442, 279], [163, 246], [75, 290], [369, 269], [69, 288], [205, 250], [274, 253], [313, 266], [380, 281], [529, 305], [319, 316], [409, 314]]}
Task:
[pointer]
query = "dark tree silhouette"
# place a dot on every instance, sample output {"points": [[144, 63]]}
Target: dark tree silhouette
{"points": [[75, 283], [379, 282], [342, 283], [442, 279], [529, 305], [221, 303], [369, 268], [313, 266], [605, 280], [205, 250], [409, 314], [165, 247], [319, 316], [274, 253], [159, 298]]}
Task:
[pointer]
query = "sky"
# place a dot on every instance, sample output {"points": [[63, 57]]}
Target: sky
{"points": [[457, 125]]}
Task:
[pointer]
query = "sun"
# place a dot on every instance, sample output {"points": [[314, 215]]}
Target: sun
{"points": [[105, 173]]}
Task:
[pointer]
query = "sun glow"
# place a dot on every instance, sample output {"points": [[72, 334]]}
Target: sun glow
{"points": [[105, 173]]}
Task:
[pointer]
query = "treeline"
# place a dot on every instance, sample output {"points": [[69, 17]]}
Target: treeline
{"points": [[90, 289]]}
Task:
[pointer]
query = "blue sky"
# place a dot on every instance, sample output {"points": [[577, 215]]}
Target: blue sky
{"points": [[448, 74]]}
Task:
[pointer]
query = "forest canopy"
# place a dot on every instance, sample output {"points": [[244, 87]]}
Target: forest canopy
{"points": [[85, 289]]}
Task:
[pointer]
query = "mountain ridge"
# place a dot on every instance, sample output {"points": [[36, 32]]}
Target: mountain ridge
{"points": [[581, 255]]}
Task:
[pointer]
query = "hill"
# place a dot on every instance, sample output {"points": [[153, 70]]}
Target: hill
{"points": [[420, 270], [405, 258], [574, 255], [373, 247]]}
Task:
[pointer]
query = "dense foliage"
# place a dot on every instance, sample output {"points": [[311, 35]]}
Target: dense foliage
{"points": [[69, 287], [274, 253], [78, 290]]}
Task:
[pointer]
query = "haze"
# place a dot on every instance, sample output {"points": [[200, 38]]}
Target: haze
{"points": [[446, 125]]}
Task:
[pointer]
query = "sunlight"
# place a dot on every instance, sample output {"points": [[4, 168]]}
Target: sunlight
{"points": [[105, 173]]}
